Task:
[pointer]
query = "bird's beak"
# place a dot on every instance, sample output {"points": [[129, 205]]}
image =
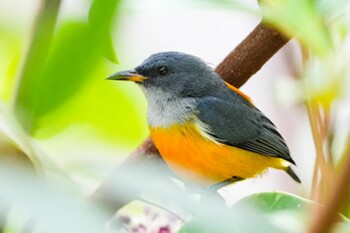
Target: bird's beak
{"points": [[128, 75]]}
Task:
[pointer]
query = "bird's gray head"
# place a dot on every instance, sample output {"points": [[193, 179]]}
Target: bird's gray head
{"points": [[177, 74]]}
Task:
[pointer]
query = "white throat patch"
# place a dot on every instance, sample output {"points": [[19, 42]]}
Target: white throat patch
{"points": [[165, 110]]}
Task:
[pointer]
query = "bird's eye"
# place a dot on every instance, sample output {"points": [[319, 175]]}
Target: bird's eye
{"points": [[163, 70]]}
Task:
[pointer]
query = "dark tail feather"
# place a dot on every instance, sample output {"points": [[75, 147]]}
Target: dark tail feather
{"points": [[292, 174]]}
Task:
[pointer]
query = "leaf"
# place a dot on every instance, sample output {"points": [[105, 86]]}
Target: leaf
{"points": [[270, 202], [250, 214], [114, 112], [101, 17], [10, 47], [50, 80], [34, 61], [35, 197], [300, 19], [73, 56]]}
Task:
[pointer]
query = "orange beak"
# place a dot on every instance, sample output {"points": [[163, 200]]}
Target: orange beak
{"points": [[127, 75]]}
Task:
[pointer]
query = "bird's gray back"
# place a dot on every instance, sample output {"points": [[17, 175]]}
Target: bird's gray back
{"points": [[234, 121]]}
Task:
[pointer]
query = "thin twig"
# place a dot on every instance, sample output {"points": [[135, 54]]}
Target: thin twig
{"points": [[329, 137], [324, 218], [321, 166]]}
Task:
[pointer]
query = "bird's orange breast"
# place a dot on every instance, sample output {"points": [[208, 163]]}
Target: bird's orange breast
{"points": [[192, 154]]}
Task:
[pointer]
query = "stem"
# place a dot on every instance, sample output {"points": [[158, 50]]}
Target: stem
{"points": [[325, 217], [34, 61], [329, 137], [321, 166]]}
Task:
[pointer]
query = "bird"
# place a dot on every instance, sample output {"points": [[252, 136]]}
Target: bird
{"points": [[206, 130]]}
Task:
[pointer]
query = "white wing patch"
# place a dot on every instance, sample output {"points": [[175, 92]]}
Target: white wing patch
{"points": [[204, 130]]}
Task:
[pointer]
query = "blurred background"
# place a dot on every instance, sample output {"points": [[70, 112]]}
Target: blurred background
{"points": [[85, 126]]}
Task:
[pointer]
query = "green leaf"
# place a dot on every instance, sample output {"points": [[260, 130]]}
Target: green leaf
{"points": [[115, 112], [34, 61], [72, 59], [10, 47], [251, 214], [271, 202], [73, 56], [55, 73], [101, 17], [300, 19]]}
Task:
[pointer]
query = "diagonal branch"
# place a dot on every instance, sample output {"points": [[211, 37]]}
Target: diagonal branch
{"points": [[250, 55], [244, 61]]}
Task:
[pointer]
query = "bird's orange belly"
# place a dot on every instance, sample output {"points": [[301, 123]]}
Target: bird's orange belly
{"points": [[198, 158]]}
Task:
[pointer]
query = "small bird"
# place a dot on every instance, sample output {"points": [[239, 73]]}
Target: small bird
{"points": [[206, 130]]}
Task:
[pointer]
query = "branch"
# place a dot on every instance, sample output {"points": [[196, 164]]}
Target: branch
{"points": [[244, 61], [250, 55]]}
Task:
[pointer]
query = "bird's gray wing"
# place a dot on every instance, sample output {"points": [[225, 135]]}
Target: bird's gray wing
{"points": [[236, 122]]}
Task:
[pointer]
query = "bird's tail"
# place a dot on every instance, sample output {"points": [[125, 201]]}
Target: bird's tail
{"points": [[292, 174]]}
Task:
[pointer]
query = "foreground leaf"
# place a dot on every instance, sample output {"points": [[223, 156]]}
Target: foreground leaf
{"points": [[300, 19], [251, 214], [54, 72], [34, 61], [270, 202], [101, 17]]}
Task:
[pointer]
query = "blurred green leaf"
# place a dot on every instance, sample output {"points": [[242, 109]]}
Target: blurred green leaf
{"points": [[34, 61], [230, 222], [270, 202], [117, 111], [300, 19], [48, 204], [72, 59], [255, 209], [73, 56], [101, 17], [10, 47]]}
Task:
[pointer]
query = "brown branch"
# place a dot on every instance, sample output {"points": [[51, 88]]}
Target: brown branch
{"points": [[324, 218], [250, 55], [244, 61]]}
